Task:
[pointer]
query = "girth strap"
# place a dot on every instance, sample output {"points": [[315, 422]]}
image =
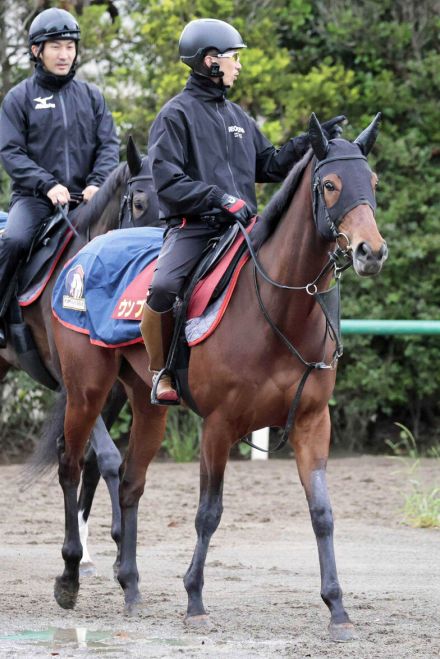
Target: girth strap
{"points": [[290, 417]]}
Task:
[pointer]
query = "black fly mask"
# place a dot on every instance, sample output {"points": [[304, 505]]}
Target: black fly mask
{"points": [[348, 161]]}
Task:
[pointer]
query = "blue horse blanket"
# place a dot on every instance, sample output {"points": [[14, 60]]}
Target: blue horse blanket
{"points": [[86, 289]]}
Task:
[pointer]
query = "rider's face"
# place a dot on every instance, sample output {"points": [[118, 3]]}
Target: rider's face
{"points": [[57, 56], [229, 64]]}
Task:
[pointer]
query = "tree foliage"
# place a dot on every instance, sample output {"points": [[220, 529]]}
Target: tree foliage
{"points": [[329, 57]]}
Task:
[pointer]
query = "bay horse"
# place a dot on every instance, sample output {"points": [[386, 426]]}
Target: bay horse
{"points": [[327, 200], [127, 198]]}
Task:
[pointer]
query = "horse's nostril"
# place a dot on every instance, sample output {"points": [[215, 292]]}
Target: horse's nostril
{"points": [[362, 250]]}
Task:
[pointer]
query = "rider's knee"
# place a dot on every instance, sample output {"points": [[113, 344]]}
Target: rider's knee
{"points": [[160, 297]]}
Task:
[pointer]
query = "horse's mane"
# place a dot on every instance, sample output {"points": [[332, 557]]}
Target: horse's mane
{"points": [[93, 210], [273, 211]]}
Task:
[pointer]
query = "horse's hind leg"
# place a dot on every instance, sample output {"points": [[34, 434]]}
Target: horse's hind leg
{"points": [[87, 384], [311, 444], [214, 455], [89, 483], [147, 432], [102, 459]]}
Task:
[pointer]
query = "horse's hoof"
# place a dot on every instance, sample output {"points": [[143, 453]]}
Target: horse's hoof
{"points": [[87, 569], [341, 632], [198, 622], [65, 593], [133, 608]]}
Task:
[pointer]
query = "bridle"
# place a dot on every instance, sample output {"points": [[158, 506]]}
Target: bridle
{"points": [[125, 209], [333, 216], [339, 260]]}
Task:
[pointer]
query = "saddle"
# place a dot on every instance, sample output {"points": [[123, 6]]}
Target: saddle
{"points": [[192, 305], [26, 286]]}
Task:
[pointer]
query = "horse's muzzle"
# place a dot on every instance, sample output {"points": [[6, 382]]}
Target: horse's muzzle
{"points": [[368, 261]]}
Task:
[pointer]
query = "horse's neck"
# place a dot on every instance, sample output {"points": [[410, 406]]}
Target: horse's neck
{"points": [[108, 220], [295, 253]]}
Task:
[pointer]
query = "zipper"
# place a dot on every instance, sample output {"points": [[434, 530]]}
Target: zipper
{"points": [[227, 150], [66, 141]]}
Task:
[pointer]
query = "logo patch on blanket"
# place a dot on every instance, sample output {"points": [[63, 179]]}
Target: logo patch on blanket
{"points": [[97, 277], [75, 287]]}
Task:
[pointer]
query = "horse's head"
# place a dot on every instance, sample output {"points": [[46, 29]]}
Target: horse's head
{"points": [[141, 207], [344, 200]]}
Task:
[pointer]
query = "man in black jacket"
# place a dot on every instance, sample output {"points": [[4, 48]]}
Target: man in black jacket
{"points": [[57, 136], [206, 154]]}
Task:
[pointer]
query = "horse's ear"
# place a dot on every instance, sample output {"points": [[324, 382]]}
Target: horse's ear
{"points": [[134, 158], [318, 140], [368, 136]]}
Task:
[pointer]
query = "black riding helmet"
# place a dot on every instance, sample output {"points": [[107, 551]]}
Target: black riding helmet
{"points": [[205, 34], [53, 24]]}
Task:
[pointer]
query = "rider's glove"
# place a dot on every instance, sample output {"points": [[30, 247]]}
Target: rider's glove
{"points": [[236, 209], [332, 127]]}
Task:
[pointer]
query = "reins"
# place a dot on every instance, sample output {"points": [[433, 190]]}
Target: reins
{"points": [[339, 260]]}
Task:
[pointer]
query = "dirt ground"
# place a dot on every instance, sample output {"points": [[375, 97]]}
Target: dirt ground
{"points": [[262, 575]]}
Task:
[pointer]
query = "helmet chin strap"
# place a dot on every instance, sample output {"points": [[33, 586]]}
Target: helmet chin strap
{"points": [[212, 71]]}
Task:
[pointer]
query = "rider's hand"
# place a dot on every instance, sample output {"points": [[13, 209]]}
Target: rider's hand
{"points": [[332, 127], [59, 195], [236, 209], [89, 191]]}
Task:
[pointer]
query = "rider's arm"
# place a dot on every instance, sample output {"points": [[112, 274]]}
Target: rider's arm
{"points": [[169, 154], [107, 143], [273, 164], [13, 149]]}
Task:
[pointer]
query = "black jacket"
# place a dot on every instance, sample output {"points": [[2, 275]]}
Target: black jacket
{"points": [[50, 136], [202, 146]]}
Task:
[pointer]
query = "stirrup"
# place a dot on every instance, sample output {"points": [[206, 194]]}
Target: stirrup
{"points": [[162, 401]]}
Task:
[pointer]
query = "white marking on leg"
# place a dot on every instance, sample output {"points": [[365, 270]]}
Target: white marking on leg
{"points": [[83, 535]]}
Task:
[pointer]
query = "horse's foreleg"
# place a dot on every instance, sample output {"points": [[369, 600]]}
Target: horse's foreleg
{"points": [[147, 432], [214, 455], [311, 443]]}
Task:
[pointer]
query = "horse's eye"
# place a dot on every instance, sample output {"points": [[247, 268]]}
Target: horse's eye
{"points": [[328, 185]]}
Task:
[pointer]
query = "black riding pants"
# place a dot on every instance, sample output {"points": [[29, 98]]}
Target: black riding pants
{"points": [[181, 251], [24, 219]]}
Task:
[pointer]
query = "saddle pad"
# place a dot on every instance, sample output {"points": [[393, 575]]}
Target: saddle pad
{"points": [[89, 285], [102, 290]]}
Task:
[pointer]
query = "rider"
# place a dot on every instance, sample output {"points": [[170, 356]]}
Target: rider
{"points": [[57, 136], [206, 156]]}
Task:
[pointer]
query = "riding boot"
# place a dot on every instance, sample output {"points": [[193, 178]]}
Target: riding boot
{"points": [[157, 332]]}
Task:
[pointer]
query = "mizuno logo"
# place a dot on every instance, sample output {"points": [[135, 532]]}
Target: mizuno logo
{"points": [[237, 130], [42, 103]]}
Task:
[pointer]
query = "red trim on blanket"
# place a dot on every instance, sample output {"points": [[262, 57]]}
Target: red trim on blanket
{"points": [[95, 342]]}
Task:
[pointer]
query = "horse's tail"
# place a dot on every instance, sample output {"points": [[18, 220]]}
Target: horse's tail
{"points": [[45, 455]]}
